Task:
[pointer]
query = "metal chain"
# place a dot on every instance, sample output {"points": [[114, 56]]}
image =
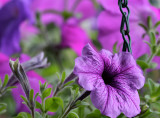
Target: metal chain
{"points": [[124, 29]]}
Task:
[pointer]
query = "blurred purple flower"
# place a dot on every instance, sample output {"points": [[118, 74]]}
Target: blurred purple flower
{"points": [[109, 25], [13, 13], [112, 79], [76, 11], [79, 9], [33, 77], [74, 37]]}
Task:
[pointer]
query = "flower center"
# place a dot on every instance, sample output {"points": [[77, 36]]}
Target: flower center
{"points": [[107, 77]]}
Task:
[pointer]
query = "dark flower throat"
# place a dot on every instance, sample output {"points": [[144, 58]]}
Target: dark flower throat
{"points": [[107, 77]]}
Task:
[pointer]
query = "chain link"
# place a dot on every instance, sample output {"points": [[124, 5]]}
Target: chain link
{"points": [[124, 29]]}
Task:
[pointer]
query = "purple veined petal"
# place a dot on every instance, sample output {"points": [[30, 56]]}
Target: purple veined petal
{"points": [[74, 37], [111, 101], [106, 56], [126, 90], [130, 71], [90, 62], [124, 66], [104, 99], [89, 81]]}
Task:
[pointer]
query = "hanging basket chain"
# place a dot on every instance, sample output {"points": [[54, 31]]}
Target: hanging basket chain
{"points": [[124, 29]]}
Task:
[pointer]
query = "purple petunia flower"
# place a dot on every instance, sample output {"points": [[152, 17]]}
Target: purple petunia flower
{"points": [[12, 15], [112, 79], [68, 16], [33, 77], [78, 9], [109, 22], [74, 37]]}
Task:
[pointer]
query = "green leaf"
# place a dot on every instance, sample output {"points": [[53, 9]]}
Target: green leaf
{"points": [[152, 86], [58, 75], [11, 87], [153, 65], [157, 24], [144, 65], [24, 115], [5, 81], [154, 49], [52, 104], [68, 83], [82, 104], [149, 44], [72, 115], [37, 94], [149, 21], [145, 114], [158, 53], [152, 38], [63, 77], [39, 106], [38, 115], [0, 82], [115, 47], [31, 94], [143, 26], [95, 114], [24, 99], [3, 108], [143, 57], [46, 92]]}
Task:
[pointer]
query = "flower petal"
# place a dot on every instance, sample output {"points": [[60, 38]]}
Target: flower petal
{"points": [[129, 70], [111, 102], [74, 37], [89, 81], [89, 62]]}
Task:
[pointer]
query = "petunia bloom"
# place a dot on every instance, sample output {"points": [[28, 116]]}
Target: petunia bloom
{"points": [[13, 13], [74, 37], [68, 16], [109, 22], [79, 10], [33, 77], [112, 79]]}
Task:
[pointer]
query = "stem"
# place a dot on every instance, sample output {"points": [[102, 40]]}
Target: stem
{"points": [[32, 112], [66, 112], [150, 58], [72, 104], [57, 90], [60, 86]]}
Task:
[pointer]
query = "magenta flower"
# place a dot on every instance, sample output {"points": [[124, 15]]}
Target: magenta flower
{"points": [[112, 79], [109, 22], [68, 16], [12, 15], [33, 77], [77, 9], [74, 37]]}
